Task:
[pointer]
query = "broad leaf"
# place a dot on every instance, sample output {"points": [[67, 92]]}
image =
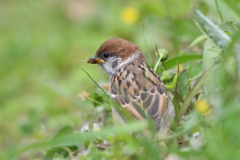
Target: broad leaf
{"points": [[219, 36], [181, 59]]}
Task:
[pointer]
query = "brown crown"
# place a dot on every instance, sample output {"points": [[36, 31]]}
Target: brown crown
{"points": [[119, 47]]}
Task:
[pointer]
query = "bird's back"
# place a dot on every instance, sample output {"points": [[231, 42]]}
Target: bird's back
{"points": [[139, 89]]}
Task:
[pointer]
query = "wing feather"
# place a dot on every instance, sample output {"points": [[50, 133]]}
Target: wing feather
{"points": [[141, 92]]}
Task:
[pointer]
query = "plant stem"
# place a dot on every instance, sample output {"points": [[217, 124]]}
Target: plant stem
{"points": [[219, 11], [145, 41]]}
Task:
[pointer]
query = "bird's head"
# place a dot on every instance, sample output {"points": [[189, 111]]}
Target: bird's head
{"points": [[114, 54]]}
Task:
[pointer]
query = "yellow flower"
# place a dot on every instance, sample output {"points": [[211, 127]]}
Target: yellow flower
{"points": [[180, 67], [129, 15], [202, 106]]}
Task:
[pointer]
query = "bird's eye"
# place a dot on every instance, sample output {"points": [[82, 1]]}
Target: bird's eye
{"points": [[106, 55]]}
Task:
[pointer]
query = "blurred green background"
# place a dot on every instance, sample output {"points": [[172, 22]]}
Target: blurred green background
{"points": [[44, 44]]}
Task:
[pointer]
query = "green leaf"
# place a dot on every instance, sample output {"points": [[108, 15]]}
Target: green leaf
{"points": [[195, 69], [173, 84], [59, 151], [230, 27], [72, 139], [219, 36], [195, 77], [197, 40], [184, 89], [210, 52], [189, 97], [213, 51], [181, 59], [64, 131]]}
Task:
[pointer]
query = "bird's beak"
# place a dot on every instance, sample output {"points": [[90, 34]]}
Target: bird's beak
{"points": [[95, 60]]}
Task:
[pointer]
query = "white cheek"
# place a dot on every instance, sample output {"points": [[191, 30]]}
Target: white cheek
{"points": [[109, 67]]}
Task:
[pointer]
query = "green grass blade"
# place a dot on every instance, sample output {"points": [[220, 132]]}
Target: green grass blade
{"points": [[96, 83], [233, 5], [145, 41], [189, 98], [197, 40], [219, 11], [181, 59]]}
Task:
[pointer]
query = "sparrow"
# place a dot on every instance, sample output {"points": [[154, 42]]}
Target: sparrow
{"points": [[133, 84]]}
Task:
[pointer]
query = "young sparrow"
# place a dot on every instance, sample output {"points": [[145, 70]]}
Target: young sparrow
{"points": [[133, 83]]}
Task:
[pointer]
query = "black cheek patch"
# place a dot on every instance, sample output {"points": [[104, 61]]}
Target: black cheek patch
{"points": [[114, 64]]}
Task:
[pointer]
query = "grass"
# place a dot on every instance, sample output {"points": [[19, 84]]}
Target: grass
{"points": [[51, 109]]}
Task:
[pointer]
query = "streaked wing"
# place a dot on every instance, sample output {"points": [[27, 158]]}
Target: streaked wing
{"points": [[138, 89], [154, 102]]}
